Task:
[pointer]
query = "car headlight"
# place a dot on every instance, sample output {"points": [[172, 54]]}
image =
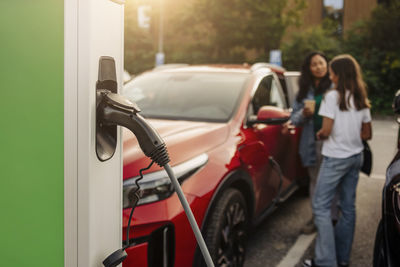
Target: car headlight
{"points": [[157, 186]]}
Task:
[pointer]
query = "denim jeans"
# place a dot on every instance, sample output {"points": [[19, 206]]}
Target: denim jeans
{"points": [[333, 244], [313, 172]]}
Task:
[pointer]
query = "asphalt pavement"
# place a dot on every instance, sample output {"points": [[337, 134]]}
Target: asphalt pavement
{"points": [[277, 241]]}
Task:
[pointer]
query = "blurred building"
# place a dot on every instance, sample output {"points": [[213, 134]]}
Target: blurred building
{"points": [[345, 12], [355, 10]]}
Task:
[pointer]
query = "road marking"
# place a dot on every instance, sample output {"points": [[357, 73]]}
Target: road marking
{"points": [[297, 251], [374, 176]]}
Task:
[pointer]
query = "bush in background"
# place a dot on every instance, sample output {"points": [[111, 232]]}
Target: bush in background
{"points": [[140, 44], [321, 38], [207, 31], [375, 44]]}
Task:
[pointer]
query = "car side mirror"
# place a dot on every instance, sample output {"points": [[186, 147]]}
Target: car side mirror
{"points": [[269, 115]]}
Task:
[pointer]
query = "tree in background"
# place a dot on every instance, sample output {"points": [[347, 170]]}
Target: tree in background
{"points": [[188, 37], [207, 31], [321, 38], [140, 44], [375, 44], [239, 26]]}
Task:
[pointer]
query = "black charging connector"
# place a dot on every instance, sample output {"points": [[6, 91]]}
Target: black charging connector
{"points": [[116, 258], [115, 109]]}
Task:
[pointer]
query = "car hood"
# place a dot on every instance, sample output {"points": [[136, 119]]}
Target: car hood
{"points": [[184, 140]]}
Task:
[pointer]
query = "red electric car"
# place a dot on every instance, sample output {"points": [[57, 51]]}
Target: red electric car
{"points": [[223, 127]]}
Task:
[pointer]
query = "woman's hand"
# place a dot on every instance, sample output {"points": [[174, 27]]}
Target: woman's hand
{"points": [[366, 131], [320, 135], [307, 112], [325, 131]]}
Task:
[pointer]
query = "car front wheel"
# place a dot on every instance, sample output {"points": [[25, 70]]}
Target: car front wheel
{"points": [[226, 231]]}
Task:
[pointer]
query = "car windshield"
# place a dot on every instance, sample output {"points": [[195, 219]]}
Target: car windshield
{"points": [[200, 96]]}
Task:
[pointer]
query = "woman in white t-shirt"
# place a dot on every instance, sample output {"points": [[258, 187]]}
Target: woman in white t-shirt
{"points": [[346, 122]]}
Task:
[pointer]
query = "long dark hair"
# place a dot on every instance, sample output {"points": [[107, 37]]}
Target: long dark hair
{"points": [[349, 78], [306, 79]]}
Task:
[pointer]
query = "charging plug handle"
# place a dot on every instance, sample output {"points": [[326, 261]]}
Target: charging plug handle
{"points": [[115, 259], [114, 109]]}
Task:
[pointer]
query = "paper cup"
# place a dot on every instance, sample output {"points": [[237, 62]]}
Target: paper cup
{"points": [[310, 104]]}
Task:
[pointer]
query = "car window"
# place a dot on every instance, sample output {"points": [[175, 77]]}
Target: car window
{"points": [[268, 93], [292, 82], [284, 88], [197, 96]]}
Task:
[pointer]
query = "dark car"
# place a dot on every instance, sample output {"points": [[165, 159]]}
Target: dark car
{"points": [[387, 240], [222, 125]]}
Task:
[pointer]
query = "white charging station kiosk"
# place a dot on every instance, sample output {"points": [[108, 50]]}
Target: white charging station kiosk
{"points": [[92, 189]]}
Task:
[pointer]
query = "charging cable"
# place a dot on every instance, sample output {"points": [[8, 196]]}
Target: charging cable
{"points": [[135, 201], [190, 216]]}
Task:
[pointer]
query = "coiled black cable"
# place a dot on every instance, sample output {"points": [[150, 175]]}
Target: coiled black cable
{"points": [[118, 256], [136, 196]]}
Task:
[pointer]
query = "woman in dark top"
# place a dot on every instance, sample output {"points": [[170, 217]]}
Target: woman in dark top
{"points": [[314, 82]]}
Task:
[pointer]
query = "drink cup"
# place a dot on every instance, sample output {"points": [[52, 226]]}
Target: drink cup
{"points": [[310, 104]]}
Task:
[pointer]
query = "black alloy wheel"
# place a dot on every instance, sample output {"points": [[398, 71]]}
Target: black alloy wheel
{"points": [[226, 230]]}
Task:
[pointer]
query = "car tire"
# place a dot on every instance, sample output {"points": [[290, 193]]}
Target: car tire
{"points": [[226, 230], [379, 248]]}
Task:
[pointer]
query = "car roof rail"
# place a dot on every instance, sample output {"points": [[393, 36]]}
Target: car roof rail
{"points": [[262, 65], [170, 66], [292, 73]]}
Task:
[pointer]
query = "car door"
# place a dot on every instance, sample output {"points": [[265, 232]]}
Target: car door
{"points": [[294, 170], [274, 144]]}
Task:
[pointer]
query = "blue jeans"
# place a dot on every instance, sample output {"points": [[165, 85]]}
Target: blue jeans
{"points": [[333, 244]]}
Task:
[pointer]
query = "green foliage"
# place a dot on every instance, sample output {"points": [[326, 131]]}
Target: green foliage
{"points": [[239, 25], [209, 31], [187, 39], [321, 38], [376, 46], [375, 43], [139, 49]]}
